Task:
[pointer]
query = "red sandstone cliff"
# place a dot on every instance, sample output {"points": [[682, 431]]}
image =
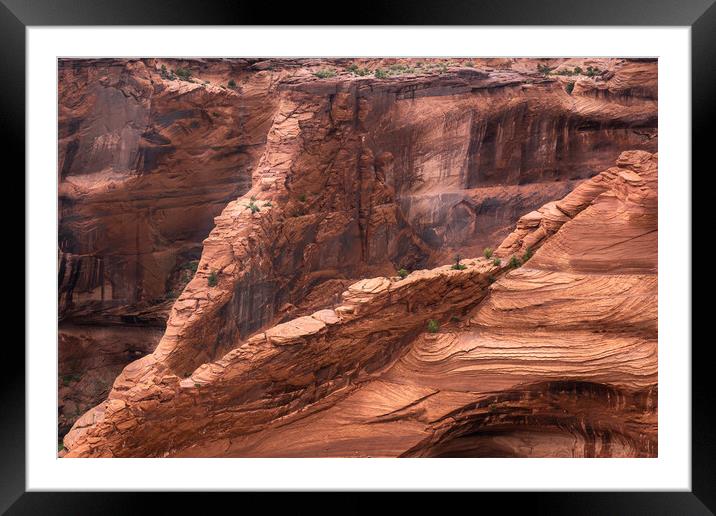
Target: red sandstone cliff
{"points": [[352, 176], [556, 357]]}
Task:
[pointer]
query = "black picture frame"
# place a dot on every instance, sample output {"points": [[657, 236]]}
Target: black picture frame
{"points": [[17, 15]]}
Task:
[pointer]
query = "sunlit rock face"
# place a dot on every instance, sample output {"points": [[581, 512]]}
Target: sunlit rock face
{"points": [[204, 214], [553, 357]]}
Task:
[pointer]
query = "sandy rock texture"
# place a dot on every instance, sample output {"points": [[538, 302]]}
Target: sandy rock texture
{"points": [[553, 353], [201, 208], [144, 165]]}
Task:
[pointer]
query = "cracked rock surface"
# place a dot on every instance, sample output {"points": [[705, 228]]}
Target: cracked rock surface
{"points": [[557, 357], [227, 258]]}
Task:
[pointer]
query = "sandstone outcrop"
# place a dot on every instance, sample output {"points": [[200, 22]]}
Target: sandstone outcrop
{"points": [[284, 187], [144, 166], [556, 357]]}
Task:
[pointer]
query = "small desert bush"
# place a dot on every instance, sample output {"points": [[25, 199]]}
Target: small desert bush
{"points": [[231, 84], [496, 262], [167, 74], [357, 70], [514, 262], [403, 273], [543, 69], [487, 252], [400, 69], [213, 280], [527, 255], [325, 74], [252, 205], [433, 326], [566, 71], [183, 73], [569, 88], [457, 265], [381, 74]]}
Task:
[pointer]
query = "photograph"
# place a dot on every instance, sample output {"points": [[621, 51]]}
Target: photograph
{"points": [[357, 257]]}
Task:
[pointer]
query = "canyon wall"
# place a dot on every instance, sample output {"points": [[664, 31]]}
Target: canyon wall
{"points": [[319, 181], [144, 166], [548, 348]]}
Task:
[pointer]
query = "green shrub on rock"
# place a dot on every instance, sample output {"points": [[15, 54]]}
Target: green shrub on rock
{"points": [[253, 206], [543, 69], [325, 74], [527, 255], [183, 73], [433, 326], [457, 265]]}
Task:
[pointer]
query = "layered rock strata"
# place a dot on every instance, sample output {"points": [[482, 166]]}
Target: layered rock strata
{"points": [[556, 357], [144, 165], [352, 176]]}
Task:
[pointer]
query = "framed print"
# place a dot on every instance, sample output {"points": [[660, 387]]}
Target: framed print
{"points": [[420, 252]]}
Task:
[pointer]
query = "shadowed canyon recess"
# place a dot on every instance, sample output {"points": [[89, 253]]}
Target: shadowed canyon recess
{"points": [[358, 257]]}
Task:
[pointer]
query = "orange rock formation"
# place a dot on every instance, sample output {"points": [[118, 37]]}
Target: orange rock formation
{"points": [[556, 357], [344, 178]]}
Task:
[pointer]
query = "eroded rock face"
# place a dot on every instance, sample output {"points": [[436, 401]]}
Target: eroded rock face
{"points": [[90, 358], [145, 163], [303, 185], [553, 358]]}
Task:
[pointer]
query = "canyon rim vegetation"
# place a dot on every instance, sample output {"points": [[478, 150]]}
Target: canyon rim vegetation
{"points": [[364, 257]]}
